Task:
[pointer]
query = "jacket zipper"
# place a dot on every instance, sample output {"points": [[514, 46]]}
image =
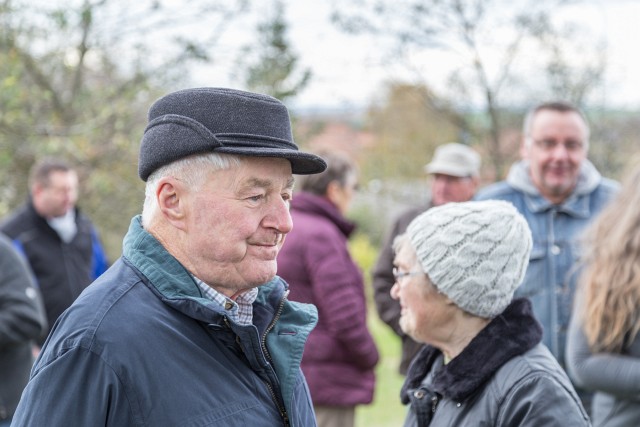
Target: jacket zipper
{"points": [[263, 343]]}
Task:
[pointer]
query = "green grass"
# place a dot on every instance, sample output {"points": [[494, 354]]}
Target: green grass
{"points": [[386, 409]]}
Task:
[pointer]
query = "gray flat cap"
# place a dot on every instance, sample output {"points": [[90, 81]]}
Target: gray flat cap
{"points": [[194, 121]]}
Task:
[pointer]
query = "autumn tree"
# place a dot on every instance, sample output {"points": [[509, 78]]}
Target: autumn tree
{"points": [[76, 80], [505, 54], [407, 131], [271, 66]]}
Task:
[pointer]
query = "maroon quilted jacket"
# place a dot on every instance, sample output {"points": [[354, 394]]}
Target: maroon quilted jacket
{"points": [[340, 355]]}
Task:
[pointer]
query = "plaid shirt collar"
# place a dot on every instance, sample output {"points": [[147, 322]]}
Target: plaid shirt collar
{"points": [[240, 310]]}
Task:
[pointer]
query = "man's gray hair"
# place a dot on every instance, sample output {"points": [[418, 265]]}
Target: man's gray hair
{"points": [[192, 170]]}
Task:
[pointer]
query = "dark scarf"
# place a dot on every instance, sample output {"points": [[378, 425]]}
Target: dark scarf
{"points": [[512, 333]]}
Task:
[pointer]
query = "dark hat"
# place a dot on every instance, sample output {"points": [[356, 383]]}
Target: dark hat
{"points": [[201, 120]]}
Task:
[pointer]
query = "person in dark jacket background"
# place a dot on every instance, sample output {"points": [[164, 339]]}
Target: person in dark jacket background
{"points": [[457, 267], [60, 243], [191, 326], [340, 355], [22, 322]]}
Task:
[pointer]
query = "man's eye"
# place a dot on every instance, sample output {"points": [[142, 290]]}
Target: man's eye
{"points": [[255, 198], [548, 143]]}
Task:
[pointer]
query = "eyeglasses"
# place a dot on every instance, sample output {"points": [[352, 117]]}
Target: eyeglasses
{"points": [[397, 274], [571, 146]]}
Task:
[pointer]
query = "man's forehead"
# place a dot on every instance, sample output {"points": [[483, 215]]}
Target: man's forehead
{"points": [[60, 176]]}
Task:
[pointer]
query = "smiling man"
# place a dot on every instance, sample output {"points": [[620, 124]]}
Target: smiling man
{"points": [[191, 326], [558, 190]]}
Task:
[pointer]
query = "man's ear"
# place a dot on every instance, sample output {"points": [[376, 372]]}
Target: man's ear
{"points": [[36, 188], [333, 191], [170, 194]]}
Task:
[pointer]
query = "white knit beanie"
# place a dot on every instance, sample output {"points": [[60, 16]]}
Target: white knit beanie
{"points": [[476, 253]]}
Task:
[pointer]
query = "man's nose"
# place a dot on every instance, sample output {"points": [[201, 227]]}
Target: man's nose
{"points": [[278, 216]]}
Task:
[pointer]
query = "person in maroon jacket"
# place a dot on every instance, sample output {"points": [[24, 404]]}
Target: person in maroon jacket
{"points": [[340, 355]]}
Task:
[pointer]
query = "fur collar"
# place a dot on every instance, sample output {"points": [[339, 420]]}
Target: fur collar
{"points": [[512, 333]]}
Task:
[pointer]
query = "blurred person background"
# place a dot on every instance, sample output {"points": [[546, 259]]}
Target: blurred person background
{"points": [[22, 322], [603, 346], [340, 354], [59, 242]]}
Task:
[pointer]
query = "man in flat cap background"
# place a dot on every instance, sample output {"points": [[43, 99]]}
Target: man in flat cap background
{"points": [[191, 326], [455, 172]]}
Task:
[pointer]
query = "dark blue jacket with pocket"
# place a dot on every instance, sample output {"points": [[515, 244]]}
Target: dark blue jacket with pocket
{"points": [[142, 347]]}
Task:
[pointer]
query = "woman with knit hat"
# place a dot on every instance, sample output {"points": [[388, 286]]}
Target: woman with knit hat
{"points": [[483, 363]]}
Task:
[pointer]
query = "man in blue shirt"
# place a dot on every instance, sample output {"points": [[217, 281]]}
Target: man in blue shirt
{"points": [[558, 190]]}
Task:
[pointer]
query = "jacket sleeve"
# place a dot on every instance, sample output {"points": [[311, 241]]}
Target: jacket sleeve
{"points": [[77, 388], [615, 374], [338, 291], [542, 400], [22, 316], [100, 263]]}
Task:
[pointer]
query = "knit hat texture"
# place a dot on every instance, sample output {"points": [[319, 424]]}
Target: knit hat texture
{"points": [[201, 120], [476, 253]]}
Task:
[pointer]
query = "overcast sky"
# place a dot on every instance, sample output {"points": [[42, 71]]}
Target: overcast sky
{"points": [[347, 70]]}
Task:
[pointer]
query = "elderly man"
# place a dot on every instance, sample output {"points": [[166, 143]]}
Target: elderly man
{"points": [[191, 326], [558, 191], [60, 243], [454, 171], [457, 268]]}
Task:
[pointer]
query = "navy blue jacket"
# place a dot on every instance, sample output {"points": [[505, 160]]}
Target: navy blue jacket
{"points": [[142, 347]]}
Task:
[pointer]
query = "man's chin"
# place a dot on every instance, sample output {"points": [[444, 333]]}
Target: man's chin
{"points": [[264, 273]]}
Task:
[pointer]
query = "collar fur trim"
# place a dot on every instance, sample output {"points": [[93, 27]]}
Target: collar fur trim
{"points": [[511, 334]]}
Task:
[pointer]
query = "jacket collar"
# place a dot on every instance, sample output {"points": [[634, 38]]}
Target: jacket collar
{"points": [[171, 281], [575, 205], [318, 205], [516, 330]]}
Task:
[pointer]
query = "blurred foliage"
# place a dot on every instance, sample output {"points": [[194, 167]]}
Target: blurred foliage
{"points": [[76, 81], [407, 130], [490, 41], [270, 66], [77, 78], [364, 252], [386, 409]]}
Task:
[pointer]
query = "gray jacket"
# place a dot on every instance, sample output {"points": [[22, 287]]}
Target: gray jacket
{"points": [[614, 377], [22, 321], [504, 377]]}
